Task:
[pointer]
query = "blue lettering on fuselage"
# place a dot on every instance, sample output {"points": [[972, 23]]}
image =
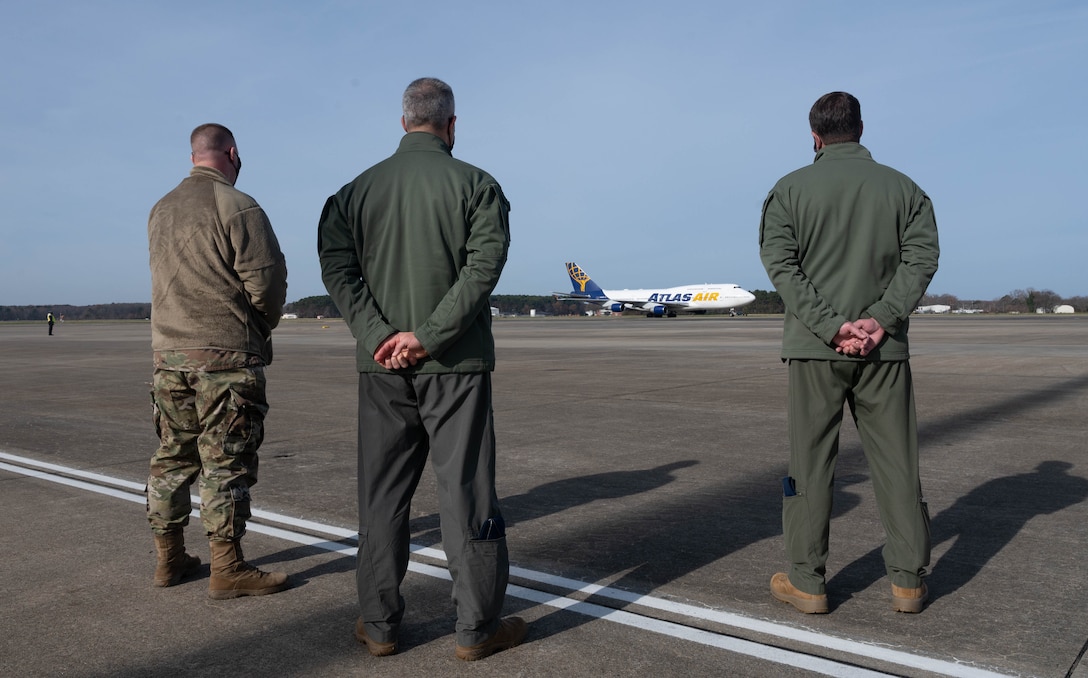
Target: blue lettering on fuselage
{"points": [[664, 298]]}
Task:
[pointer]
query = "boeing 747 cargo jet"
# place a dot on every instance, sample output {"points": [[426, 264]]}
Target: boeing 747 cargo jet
{"points": [[656, 302]]}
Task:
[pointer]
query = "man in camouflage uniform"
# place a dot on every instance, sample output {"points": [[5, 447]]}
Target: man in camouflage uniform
{"points": [[218, 284]]}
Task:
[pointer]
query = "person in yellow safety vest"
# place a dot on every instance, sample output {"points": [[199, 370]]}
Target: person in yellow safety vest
{"points": [[49, 319]]}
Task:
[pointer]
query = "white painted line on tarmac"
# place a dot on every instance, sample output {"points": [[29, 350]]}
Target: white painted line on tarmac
{"points": [[768, 653], [103, 484]]}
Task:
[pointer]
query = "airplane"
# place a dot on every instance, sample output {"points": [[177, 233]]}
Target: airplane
{"points": [[655, 302]]}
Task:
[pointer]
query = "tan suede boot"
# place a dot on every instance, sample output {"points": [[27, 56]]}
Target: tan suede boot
{"points": [[783, 589], [173, 562], [232, 576], [909, 600]]}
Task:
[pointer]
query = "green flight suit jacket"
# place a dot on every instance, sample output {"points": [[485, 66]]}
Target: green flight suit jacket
{"points": [[416, 244], [847, 238]]}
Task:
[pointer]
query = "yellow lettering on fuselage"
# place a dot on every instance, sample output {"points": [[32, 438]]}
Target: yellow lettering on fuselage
{"points": [[705, 296]]}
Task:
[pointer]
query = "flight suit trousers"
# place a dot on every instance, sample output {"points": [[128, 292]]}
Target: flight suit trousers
{"points": [[403, 419], [881, 400]]}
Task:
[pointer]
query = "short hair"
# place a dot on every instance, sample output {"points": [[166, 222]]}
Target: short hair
{"points": [[428, 102], [836, 118], [211, 136]]}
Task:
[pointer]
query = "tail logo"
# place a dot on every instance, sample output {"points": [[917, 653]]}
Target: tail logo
{"points": [[578, 275]]}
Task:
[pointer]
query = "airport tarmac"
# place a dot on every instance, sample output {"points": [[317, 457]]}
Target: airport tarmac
{"points": [[639, 469]]}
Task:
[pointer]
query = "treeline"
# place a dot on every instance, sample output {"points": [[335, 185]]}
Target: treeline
{"points": [[313, 307], [67, 312], [766, 302], [508, 304], [1030, 300], [524, 304]]}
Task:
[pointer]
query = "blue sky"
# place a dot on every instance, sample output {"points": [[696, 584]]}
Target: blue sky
{"points": [[638, 139]]}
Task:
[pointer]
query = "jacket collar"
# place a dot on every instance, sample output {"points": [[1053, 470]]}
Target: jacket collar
{"points": [[422, 141], [209, 173], [847, 149]]}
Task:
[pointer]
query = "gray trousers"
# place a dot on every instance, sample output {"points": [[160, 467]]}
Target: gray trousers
{"points": [[881, 400], [402, 420]]}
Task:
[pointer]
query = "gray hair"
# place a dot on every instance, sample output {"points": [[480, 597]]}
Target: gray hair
{"points": [[428, 102]]}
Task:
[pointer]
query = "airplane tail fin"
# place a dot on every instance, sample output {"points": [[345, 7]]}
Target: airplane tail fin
{"points": [[582, 284]]}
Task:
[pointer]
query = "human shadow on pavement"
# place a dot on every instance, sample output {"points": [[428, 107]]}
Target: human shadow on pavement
{"points": [[987, 518], [671, 534], [665, 538], [560, 495], [643, 549], [339, 562], [541, 501], [982, 522]]}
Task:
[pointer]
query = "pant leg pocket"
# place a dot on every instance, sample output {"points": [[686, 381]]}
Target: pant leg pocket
{"points": [[480, 587]]}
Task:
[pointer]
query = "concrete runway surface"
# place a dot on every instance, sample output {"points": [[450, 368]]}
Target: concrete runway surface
{"points": [[639, 470]]}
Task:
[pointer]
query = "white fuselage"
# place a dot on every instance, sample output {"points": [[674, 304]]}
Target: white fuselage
{"points": [[708, 297]]}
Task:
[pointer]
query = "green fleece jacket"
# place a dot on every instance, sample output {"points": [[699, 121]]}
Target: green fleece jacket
{"points": [[416, 244], [847, 238], [218, 277]]}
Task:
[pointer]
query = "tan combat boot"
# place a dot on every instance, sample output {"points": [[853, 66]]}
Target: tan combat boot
{"points": [[232, 576], [909, 600], [173, 562], [783, 589]]}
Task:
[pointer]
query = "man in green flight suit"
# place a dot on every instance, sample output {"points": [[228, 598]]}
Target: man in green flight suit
{"points": [[851, 246]]}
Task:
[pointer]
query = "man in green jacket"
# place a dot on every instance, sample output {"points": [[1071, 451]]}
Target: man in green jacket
{"points": [[410, 253], [851, 246]]}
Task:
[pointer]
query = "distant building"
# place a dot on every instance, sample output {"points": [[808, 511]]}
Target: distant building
{"points": [[1064, 308], [933, 308], [290, 316]]}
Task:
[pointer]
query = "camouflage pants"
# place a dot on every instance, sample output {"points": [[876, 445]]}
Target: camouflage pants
{"points": [[210, 425]]}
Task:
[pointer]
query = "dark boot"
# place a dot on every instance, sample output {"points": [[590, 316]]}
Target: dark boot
{"points": [[173, 562], [232, 576]]}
